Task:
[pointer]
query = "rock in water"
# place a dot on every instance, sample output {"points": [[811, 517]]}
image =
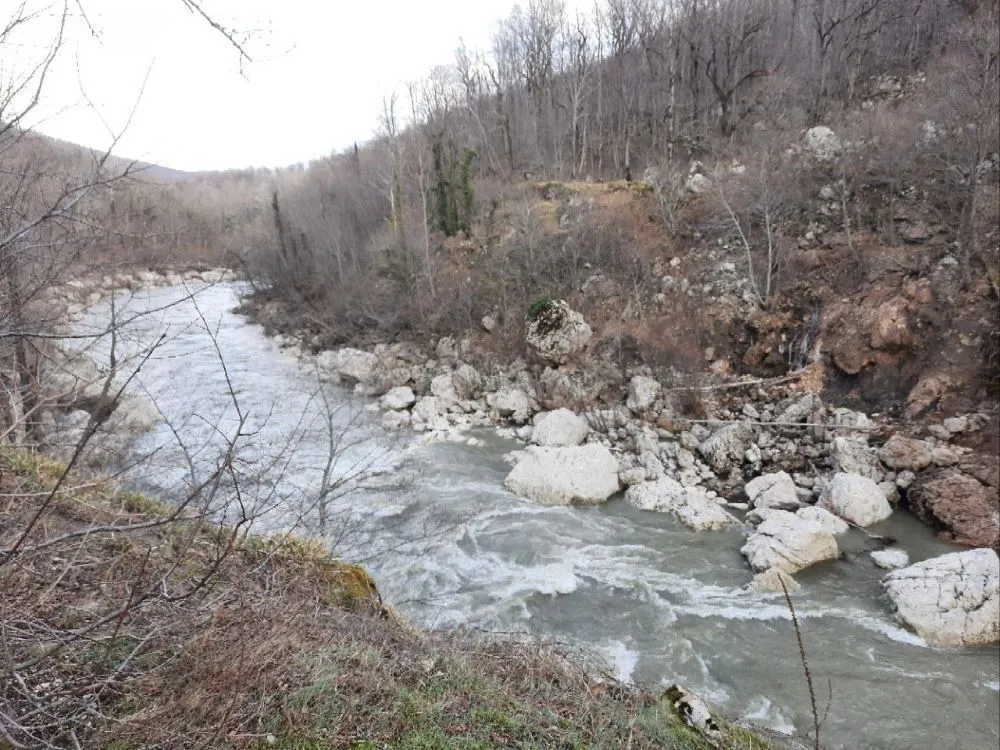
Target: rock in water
{"points": [[951, 600], [354, 365], [826, 519], [856, 499], [578, 475], [691, 505], [788, 542], [966, 510], [770, 581], [890, 559]]}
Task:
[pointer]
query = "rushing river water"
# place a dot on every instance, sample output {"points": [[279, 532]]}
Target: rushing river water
{"points": [[449, 546]]}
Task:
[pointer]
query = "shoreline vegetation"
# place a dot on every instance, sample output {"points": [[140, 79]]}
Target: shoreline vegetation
{"points": [[257, 642]]}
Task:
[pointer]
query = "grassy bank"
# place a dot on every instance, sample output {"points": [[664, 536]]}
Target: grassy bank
{"points": [[123, 630]]}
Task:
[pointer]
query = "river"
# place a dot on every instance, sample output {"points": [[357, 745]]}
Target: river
{"points": [[449, 546]]}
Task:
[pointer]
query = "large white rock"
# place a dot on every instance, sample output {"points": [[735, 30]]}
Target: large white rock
{"points": [[775, 490], [399, 398], [698, 184], [856, 499], [355, 365], [822, 143], [557, 332], [561, 427], [427, 415], [852, 424], [661, 495], [467, 382], [788, 542], [642, 393], [823, 517], [691, 505], [701, 512], [443, 389], [578, 475], [951, 600], [725, 448], [854, 456], [511, 403], [352, 365]]}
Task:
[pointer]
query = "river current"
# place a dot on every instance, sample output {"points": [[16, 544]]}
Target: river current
{"points": [[448, 546]]}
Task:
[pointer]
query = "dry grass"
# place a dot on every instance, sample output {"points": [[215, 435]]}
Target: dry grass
{"points": [[283, 647]]}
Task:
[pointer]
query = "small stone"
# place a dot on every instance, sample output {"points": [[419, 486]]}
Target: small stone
{"points": [[890, 559]]}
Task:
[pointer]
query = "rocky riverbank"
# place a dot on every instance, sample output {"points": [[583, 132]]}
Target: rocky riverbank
{"points": [[768, 454], [77, 391]]}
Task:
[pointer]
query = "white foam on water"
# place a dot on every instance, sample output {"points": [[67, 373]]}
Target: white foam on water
{"points": [[993, 685], [761, 710], [621, 658], [749, 609], [557, 578]]}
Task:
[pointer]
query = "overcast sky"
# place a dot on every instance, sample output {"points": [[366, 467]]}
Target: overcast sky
{"points": [[319, 72]]}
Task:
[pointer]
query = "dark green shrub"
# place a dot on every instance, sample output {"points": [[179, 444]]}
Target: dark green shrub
{"points": [[539, 306]]}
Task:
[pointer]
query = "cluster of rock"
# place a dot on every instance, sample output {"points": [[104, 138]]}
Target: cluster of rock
{"points": [[801, 473], [77, 295], [72, 399]]}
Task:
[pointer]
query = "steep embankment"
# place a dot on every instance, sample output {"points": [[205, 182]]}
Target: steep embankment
{"points": [[888, 322], [129, 625]]}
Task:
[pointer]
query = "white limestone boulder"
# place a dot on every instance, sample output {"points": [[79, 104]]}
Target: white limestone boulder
{"points": [[576, 475], [398, 398], [355, 366], [826, 519], [951, 600], [560, 427], [775, 490], [642, 394], [510, 403], [856, 499], [443, 389], [854, 456], [556, 332], [467, 382], [822, 143], [785, 541], [691, 505], [726, 448]]}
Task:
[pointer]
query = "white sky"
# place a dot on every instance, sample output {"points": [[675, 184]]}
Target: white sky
{"points": [[320, 70]]}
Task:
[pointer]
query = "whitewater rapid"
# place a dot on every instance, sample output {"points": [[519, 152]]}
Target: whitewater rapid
{"points": [[450, 547]]}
